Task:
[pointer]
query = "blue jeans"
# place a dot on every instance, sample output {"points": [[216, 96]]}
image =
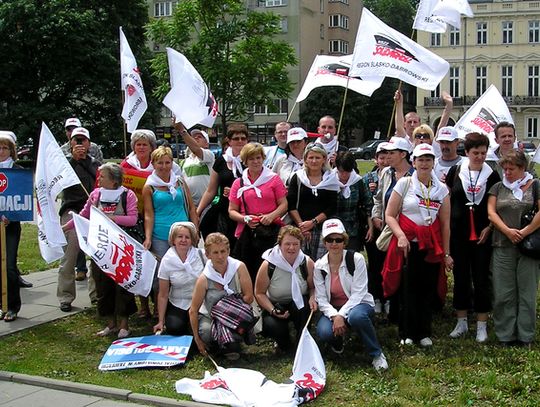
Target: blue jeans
{"points": [[359, 320]]}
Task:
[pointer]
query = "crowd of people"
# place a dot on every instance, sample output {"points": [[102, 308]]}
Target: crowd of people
{"points": [[283, 228]]}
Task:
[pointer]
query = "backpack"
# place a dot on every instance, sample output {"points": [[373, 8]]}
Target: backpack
{"points": [[303, 270], [349, 262]]}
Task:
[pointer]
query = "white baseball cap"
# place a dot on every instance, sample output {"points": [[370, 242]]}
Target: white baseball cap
{"points": [[73, 121], [331, 226], [423, 149], [382, 147], [398, 143], [296, 133], [80, 131], [447, 133], [8, 135], [205, 134]]}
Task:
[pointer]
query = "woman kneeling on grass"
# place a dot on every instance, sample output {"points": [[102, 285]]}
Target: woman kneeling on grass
{"points": [[225, 289], [342, 295]]}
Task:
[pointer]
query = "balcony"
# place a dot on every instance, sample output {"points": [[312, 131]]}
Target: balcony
{"points": [[469, 100]]}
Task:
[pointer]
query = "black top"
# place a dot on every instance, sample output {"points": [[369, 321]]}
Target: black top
{"points": [[75, 196], [310, 205], [225, 179]]}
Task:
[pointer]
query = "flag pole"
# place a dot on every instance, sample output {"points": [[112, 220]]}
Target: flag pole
{"points": [[309, 319], [3, 266], [125, 124], [292, 110], [343, 106]]}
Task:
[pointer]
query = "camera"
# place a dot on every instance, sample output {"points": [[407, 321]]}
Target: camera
{"points": [[79, 140], [279, 310]]}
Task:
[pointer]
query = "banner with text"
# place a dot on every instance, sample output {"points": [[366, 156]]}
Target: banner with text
{"points": [[16, 194]]}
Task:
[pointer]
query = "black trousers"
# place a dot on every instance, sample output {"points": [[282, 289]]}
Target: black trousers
{"points": [[112, 300], [278, 329], [13, 237], [177, 321]]}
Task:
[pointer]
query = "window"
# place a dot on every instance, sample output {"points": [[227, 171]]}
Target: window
{"points": [[339, 20], [282, 106], [454, 36], [436, 93], [507, 32], [454, 81], [339, 1], [259, 109], [322, 6], [274, 3], [532, 127], [533, 80], [534, 31], [321, 32], [506, 75], [164, 8], [435, 40], [481, 33], [481, 80], [338, 46], [284, 24]]}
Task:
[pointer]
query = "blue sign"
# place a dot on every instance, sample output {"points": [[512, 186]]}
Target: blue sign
{"points": [[146, 351], [16, 194]]}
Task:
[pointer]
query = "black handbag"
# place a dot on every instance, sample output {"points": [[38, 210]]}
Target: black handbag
{"points": [[530, 245]]}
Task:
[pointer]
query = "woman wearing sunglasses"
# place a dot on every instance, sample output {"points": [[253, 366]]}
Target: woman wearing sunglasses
{"points": [[342, 294]]}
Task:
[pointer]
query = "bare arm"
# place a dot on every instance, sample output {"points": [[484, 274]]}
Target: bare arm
{"points": [[514, 235], [392, 212], [148, 216], [163, 299], [262, 282], [399, 116], [311, 285], [448, 106], [245, 284], [444, 218], [268, 218]]}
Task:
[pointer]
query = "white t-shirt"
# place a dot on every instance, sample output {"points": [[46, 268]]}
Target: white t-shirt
{"points": [[414, 206], [442, 167], [197, 173]]}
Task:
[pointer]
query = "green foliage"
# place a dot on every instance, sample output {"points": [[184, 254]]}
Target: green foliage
{"points": [[233, 49], [60, 58]]}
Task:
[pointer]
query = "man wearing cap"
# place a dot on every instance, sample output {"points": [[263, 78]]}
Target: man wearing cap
{"points": [[74, 199], [327, 130], [293, 159], [94, 150], [448, 141], [198, 162], [274, 152]]}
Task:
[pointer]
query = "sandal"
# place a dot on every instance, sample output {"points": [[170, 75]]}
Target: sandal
{"points": [[106, 331], [123, 333], [10, 316]]}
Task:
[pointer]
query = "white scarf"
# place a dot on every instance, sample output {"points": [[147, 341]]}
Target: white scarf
{"points": [[7, 163], [111, 195], [132, 160], [331, 147], [480, 186], [329, 181], [171, 261], [346, 188], [435, 193], [236, 163], [265, 176], [515, 186], [212, 274], [155, 181], [275, 257], [296, 163]]}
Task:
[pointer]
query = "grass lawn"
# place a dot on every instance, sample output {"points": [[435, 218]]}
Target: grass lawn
{"points": [[29, 259]]}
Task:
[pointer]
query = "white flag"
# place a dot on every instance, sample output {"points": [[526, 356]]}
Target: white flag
{"points": [[189, 98], [82, 225], [482, 117], [450, 11], [382, 51], [424, 19], [135, 100], [118, 255], [329, 70], [53, 175]]}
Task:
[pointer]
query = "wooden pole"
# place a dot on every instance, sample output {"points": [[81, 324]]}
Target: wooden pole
{"points": [[290, 114], [3, 265], [343, 107]]}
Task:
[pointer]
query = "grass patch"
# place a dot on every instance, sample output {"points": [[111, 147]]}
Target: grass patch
{"points": [[29, 259]]}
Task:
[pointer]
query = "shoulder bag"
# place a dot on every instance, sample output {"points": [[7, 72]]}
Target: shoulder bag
{"points": [[383, 241], [530, 245]]}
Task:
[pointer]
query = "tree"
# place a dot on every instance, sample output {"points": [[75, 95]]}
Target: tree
{"points": [[233, 49], [60, 58]]}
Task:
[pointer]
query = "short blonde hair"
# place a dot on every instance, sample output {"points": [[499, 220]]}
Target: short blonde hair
{"points": [[317, 148], [216, 238], [423, 128], [289, 230], [161, 152], [177, 226], [251, 150]]}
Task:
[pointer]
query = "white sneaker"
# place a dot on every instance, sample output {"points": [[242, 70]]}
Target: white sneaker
{"points": [[407, 341], [481, 332], [378, 307], [426, 342], [380, 363], [460, 329]]}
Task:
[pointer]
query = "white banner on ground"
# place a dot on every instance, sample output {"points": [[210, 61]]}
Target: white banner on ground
{"points": [[120, 256], [329, 70], [50, 181], [382, 51], [189, 99], [134, 98]]}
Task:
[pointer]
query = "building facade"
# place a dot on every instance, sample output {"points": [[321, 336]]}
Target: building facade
{"points": [[500, 45]]}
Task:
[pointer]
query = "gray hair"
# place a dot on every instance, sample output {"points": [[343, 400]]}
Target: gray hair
{"points": [[142, 134], [114, 171]]}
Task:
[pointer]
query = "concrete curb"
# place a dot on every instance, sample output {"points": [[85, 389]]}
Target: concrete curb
{"points": [[94, 390]]}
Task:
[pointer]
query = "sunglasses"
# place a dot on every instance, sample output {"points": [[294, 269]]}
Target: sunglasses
{"points": [[334, 240], [422, 136], [238, 138]]}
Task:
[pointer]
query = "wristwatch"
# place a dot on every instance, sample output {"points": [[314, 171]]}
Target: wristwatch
{"points": [[247, 219]]}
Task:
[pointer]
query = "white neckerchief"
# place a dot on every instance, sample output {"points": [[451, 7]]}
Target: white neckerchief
{"points": [[296, 163], [212, 274], [480, 186], [7, 163], [329, 181], [171, 261], [265, 176], [155, 181], [435, 193], [515, 186], [111, 195], [346, 188], [236, 163], [132, 160], [275, 257], [330, 147]]}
